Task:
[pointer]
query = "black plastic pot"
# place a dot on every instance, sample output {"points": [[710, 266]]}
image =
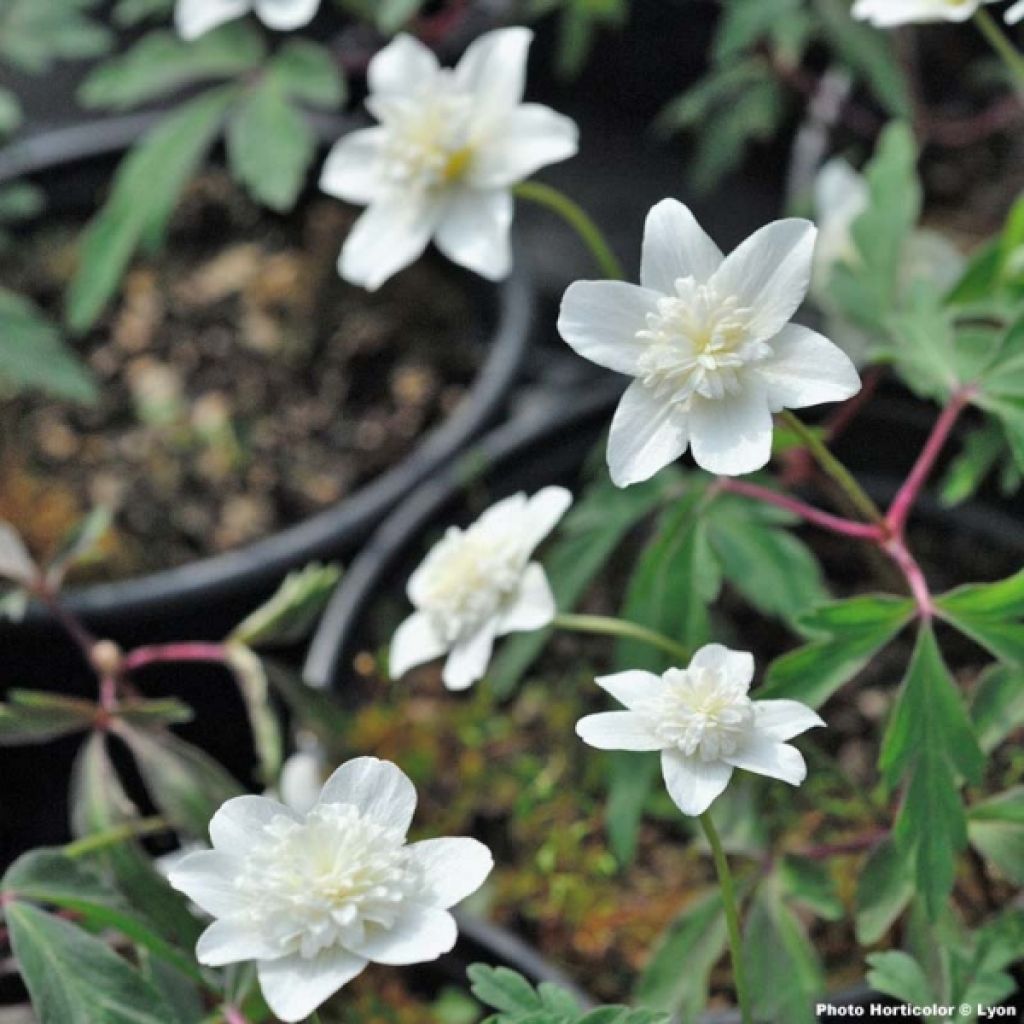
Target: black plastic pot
{"points": [[546, 444]]}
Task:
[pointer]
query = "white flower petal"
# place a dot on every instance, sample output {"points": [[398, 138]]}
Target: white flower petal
{"points": [[769, 274], [889, 13], [544, 511], [415, 642], [301, 781], [295, 986], [532, 606], [286, 15], [380, 790], [404, 66], [766, 756], [352, 170], [1015, 13], [194, 18], [473, 232], [232, 940], [242, 821], [731, 436], [629, 687], [806, 368], [737, 666], [784, 719], [386, 238], [207, 879], [452, 868], [493, 71], [617, 730], [469, 658], [646, 435], [692, 783], [675, 246], [599, 320], [530, 137], [420, 934]]}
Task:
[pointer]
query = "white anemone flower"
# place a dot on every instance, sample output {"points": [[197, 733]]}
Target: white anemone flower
{"points": [[1015, 13], [709, 343], [889, 13], [313, 898], [478, 584], [195, 18], [441, 163], [705, 725]]}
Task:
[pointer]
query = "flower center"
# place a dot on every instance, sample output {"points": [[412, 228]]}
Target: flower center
{"points": [[430, 137], [697, 343], [467, 578], [325, 881], [699, 712]]}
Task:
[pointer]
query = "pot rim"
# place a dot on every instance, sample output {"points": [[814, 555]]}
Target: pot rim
{"points": [[506, 331]]}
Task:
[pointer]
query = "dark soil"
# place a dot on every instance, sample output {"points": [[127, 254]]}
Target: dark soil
{"points": [[244, 386]]}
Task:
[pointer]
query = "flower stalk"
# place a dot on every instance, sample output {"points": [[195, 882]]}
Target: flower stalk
{"points": [[732, 916], [157, 654], [1000, 42], [606, 625]]}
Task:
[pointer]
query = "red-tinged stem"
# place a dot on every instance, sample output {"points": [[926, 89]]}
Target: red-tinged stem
{"points": [[233, 1015], [84, 640], [900, 554], [827, 521], [902, 504], [159, 654]]}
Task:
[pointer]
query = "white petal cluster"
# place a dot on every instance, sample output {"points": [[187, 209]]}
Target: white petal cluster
{"points": [[704, 723], [195, 18], [890, 13], [314, 897], [440, 164], [709, 344], [478, 584]]}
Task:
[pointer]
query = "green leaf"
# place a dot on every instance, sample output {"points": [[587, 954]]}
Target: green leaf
{"points": [[744, 23], [80, 545], [587, 538], [982, 450], [34, 34], [149, 713], [992, 614], [811, 883], [997, 705], [161, 63], [503, 989], [847, 634], [290, 615], [21, 201], [884, 890], [929, 741], [270, 146], [252, 682], [186, 784], [996, 830], [132, 12], [784, 972], [33, 716], [10, 113], [75, 978], [34, 355], [697, 938], [145, 191], [899, 975], [304, 71]]}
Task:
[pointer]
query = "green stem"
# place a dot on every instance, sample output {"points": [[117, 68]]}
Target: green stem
{"points": [[113, 836], [604, 625], [1000, 42], [732, 916], [581, 222], [835, 469]]}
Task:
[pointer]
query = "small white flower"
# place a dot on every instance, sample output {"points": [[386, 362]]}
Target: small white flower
{"points": [[889, 13], [704, 724], [710, 344], [313, 898], [195, 18], [1015, 13], [449, 146], [478, 584]]}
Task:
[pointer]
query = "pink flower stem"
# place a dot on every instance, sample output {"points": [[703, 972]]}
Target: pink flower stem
{"points": [[159, 654], [233, 1015], [901, 506], [827, 521], [898, 551]]}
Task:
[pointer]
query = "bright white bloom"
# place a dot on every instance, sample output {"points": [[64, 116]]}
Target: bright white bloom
{"points": [[1015, 13], [889, 13], [195, 18], [449, 146], [313, 898], [709, 343], [704, 724], [478, 584]]}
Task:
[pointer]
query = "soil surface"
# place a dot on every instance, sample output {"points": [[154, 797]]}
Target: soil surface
{"points": [[243, 385]]}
